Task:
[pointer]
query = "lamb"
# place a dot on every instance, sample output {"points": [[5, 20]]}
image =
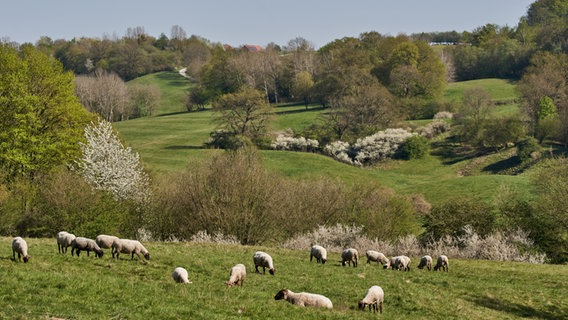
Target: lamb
{"points": [[425, 261], [349, 255], [402, 263], [374, 299], [237, 275], [376, 256], [264, 260], [304, 299], [180, 275], [442, 263], [104, 241], [319, 253], [64, 240], [129, 246], [84, 244], [20, 247]]}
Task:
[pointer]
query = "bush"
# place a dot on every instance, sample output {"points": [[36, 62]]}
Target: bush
{"points": [[527, 148], [433, 129], [283, 142], [222, 139], [415, 147]]}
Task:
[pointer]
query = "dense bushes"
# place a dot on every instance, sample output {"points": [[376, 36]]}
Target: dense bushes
{"points": [[234, 195]]}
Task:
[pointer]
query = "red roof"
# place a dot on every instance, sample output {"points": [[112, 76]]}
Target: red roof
{"points": [[253, 47]]}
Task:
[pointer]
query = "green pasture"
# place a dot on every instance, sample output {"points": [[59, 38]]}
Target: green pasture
{"points": [[173, 87], [57, 286], [169, 141]]}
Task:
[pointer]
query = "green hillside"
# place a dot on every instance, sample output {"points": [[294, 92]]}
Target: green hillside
{"points": [[55, 286], [168, 142]]}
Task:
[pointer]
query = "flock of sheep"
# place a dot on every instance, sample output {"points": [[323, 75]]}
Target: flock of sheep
{"points": [[373, 299]]}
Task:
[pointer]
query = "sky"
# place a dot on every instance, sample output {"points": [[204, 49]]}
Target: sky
{"points": [[258, 22]]}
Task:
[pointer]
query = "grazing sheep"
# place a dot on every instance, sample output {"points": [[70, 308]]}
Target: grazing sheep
{"points": [[443, 263], [180, 275], [319, 253], [84, 244], [304, 299], [374, 299], [237, 275], [376, 257], [130, 247], [64, 240], [390, 263], [349, 255], [425, 261], [104, 241], [402, 263], [20, 247], [264, 260]]}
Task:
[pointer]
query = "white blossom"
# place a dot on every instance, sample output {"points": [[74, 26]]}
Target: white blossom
{"points": [[284, 142], [108, 165]]}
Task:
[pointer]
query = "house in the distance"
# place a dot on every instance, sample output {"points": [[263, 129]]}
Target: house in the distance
{"points": [[252, 47]]}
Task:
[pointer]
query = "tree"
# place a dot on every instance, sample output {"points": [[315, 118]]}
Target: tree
{"points": [[108, 165], [105, 94], [475, 110], [144, 98], [243, 113], [303, 86], [41, 120]]}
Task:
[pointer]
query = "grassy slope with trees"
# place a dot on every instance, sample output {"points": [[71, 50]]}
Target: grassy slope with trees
{"points": [[62, 286], [168, 142]]}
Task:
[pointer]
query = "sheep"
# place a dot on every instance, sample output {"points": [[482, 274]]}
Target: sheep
{"points": [[104, 241], [425, 261], [84, 244], [64, 240], [180, 275], [304, 299], [237, 275], [264, 260], [319, 253], [129, 246], [390, 263], [374, 299], [349, 255], [376, 256], [402, 263], [20, 247], [442, 263]]}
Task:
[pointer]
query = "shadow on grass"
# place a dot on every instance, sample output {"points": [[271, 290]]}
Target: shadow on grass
{"points": [[173, 79], [452, 151], [522, 311], [300, 110], [184, 147], [503, 166]]}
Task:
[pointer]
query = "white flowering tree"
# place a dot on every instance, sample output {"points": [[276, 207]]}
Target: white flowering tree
{"points": [[108, 165]]}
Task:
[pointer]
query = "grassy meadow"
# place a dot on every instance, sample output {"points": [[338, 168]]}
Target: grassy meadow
{"points": [[56, 286], [170, 140]]}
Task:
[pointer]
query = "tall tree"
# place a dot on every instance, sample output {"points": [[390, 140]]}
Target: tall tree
{"points": [[41, 120]]}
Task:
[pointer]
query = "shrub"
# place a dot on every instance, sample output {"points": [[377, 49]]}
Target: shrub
{"points": [[527, 148], [415, 147], [283, 142], [222, 139], [434, 129], [443, 115]]}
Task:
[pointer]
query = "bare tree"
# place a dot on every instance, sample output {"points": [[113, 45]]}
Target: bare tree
{"points": [[104, 93]]}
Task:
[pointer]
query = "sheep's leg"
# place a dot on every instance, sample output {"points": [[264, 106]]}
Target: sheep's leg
{"points": [[381, 307]]}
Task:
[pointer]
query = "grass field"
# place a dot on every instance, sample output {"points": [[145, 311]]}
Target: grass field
{"points": [[62, 286]]}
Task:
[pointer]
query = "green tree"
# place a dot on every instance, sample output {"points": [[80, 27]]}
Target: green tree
{"points": [[41, 120], [302, 87], [243, 113]]}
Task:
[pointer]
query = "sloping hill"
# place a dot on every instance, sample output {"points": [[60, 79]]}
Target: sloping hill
{"points": [[167, 143]]}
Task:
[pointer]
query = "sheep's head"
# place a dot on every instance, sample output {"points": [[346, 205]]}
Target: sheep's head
{"points": [[99, 253], [281, 295], [323, 261], [362, 305], [272, 271], [26, 259], [147, 255]]}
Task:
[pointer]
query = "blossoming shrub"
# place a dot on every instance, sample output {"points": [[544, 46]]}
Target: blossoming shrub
{"points": [[283, 142], [371, 149]]}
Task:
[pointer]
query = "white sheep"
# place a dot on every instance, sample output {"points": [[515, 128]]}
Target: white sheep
{"points": [[180, 275], [402, 263], [350, 255], [64, 240], [425, 261], [84, 244], [374, 298], [442, 263], [264, 260], [319, 253], [376, 256], [130, 247], [304, 299], [390, 263], [20, 247], [237, 275], [105, 241]]}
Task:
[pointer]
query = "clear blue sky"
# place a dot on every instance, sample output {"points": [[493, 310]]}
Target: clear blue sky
{"points": [[260, 22]]}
